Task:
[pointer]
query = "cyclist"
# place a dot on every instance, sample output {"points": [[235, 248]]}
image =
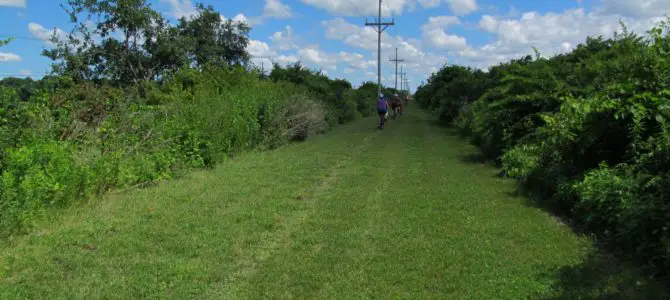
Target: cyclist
{"points": [[382, 110]]}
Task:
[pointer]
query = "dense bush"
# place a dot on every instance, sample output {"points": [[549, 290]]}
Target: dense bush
{"points": [[134, 99], [586, 132], [81, 139]]}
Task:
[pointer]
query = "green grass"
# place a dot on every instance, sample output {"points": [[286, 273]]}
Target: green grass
{"points": [[357, 213]]}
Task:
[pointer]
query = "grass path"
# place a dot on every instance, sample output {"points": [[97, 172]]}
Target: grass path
{"points": [[355, 214]]}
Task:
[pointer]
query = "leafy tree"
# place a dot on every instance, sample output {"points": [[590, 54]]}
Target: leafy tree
{"points": [[121, 45], [24, 87], [213, 41], [126, 42], [5, 42]]}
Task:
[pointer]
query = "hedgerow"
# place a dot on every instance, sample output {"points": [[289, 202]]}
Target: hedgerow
{"points": [[80, 140], [134, 99], [586, 133]]}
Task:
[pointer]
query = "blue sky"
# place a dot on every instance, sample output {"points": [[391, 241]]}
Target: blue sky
{"points": [[329, 34]]}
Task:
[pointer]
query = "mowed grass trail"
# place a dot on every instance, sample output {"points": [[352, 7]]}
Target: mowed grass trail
{"points": [[355, 214]]}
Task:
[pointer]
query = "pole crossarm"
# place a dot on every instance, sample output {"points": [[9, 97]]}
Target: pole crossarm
{"points": [[378, 25]]}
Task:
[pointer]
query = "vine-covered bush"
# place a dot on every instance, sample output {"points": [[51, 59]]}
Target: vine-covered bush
{"points": [[586, 132], [73, 141]]}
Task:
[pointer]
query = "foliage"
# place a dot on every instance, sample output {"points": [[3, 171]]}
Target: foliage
{"points": [[586, 132], [343, 104], [129, 42], [148, 240], [134, 100], [5, 42], [70, 141], [210, 40]]}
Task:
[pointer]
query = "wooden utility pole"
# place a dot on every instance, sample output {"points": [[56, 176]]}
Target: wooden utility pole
{"points": [[403, 75], [407, 86], [378, 27], [403, 79], [396, 60]]}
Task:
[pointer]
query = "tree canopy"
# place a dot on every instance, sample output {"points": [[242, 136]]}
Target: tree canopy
{"points": [[130, 42]]}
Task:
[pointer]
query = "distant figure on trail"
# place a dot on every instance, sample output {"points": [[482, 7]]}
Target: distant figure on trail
{"points": [[382, 110], [396, 105]]}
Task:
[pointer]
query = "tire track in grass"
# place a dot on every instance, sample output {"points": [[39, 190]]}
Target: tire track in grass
{"points": [[337, 247], [193, 219], [355, 214], [236, 284]]}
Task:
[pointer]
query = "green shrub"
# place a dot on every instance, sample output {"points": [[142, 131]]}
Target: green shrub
{"points": [[586, 132], [74, 141], [521, 161], [36, 178], [604, 194]]}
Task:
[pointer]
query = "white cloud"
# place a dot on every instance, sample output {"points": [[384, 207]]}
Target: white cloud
{"points": [[260, 53], [430, 3], [358, 36], [360, 7], [9, 57], [263, 55], [286, 59], [339, 28], [434, 33], [462, 7], [417, 62], [389, 7], [555, 28], [181, 8], [45, 34], [284, 40], [488, 23], [318, 58], [240, 18], [442, 40], [25, 72], [553, 32], [276, 9], [566, 46], [14, 3], [356, 60], [272, 9], [635, 8], [258, 48], [441, 22]]}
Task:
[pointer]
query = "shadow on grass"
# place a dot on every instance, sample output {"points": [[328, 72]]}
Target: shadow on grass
{"points": [[600, 277], [481, 159], [478, 158], [604, 273]]}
